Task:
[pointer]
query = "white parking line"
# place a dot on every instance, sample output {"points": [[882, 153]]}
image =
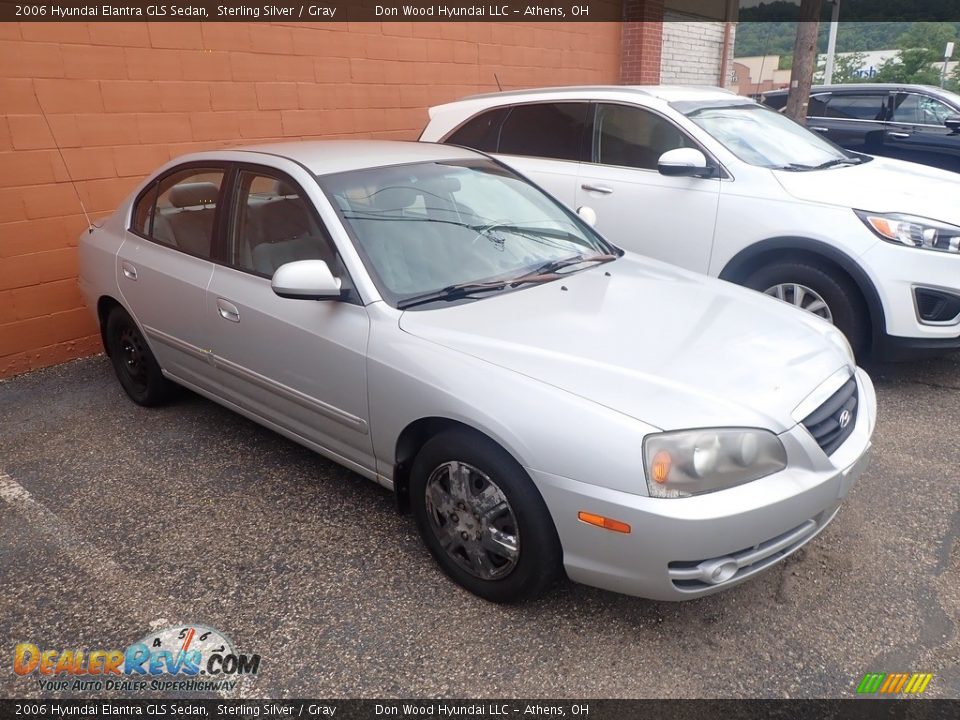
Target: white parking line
{"points": [[123, 595], [89, 559]]}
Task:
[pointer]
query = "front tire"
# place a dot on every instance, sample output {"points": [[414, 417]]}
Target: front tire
{"points": [[133, 362], [482, 518], [823, 292]]}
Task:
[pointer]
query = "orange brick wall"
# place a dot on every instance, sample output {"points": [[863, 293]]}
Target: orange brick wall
{"points": [[122, 98]]}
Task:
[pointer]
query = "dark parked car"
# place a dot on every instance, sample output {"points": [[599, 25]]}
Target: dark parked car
{"points": [[909, 122]]}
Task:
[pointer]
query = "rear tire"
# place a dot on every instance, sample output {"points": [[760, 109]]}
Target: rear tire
{"points": [[133, 362], [483, 519], [806, 287]]}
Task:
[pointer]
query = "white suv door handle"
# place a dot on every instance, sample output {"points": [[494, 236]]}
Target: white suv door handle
{"points": [[602, 189], [129, 270], [898, 135], [228, 311]]}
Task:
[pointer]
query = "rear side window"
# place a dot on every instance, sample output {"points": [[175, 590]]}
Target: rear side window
{"points": [[777, 102], [857, 107], [180, 209], [143, 212], [481, 132], [547, 130]]}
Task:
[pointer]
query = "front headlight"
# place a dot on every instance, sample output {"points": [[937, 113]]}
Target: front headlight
{"points": [[691, 462], [913, 231]]}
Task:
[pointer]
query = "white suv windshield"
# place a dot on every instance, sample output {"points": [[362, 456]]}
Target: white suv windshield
{"points": [[455, 230], [763, 137]]}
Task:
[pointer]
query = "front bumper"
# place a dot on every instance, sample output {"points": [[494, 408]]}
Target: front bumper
{"points": [[898, 272], [680, 549]]}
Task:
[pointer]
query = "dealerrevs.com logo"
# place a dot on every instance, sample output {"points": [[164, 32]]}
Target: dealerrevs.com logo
{"points": [[181, 658]]}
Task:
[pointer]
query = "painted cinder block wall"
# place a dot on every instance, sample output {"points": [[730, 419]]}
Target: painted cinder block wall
{"points": [[691, 51], [122, 98]]}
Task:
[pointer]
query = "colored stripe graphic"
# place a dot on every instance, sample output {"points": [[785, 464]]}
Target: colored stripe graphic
{"points": [[870, 683], [894, 683]]}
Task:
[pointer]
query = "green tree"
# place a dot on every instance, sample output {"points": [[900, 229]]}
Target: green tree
{"points": [[920, 47], [846, 69]]}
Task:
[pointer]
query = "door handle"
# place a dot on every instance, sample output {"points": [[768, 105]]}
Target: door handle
{"points": [[228, 311], [817, 128], [602, 189], [897, 135], [129, 270]]}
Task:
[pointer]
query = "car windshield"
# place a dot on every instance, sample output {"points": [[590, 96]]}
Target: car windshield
{"points": [[442, 231], [762, 137]]}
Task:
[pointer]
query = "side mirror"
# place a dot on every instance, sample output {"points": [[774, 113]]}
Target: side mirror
{"points": [[683, 162], [953, 123], [306, 280], [588, 215]]}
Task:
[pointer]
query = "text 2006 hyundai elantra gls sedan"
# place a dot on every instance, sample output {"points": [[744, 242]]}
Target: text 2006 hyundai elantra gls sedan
{"points": [[540, 400]]}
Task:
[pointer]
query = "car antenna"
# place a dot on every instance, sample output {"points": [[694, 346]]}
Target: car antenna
{"points": [[90, 226], [498, 82]]}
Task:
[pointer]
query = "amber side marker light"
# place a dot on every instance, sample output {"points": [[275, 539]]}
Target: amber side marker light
{"points": [[603, 522]]}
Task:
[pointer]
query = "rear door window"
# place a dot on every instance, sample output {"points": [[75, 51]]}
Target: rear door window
{"points": [[869, 106], [184, 214], [546, 130], [481, 132]]}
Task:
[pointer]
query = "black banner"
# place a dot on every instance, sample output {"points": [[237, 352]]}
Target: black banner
{"points": [[854, 709], [747, 11]]}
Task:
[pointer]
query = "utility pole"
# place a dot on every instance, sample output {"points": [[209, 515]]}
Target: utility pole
{"points": [[832, 42], [804, 59]]}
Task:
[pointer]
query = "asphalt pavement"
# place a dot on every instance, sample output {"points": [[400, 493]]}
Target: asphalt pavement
{"points": [[116, 519]]}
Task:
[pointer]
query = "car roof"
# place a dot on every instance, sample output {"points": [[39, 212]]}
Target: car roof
{"points": [[866, 87], [323, 157], [667, 93]]}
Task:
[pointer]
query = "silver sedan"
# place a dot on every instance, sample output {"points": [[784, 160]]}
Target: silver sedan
{"points": [[540, 400]]}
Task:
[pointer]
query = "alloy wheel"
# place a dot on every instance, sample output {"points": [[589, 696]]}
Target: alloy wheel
{"points": [[802, 297]]}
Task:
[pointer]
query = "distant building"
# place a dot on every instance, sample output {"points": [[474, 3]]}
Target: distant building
{"points": [[758, 74]]}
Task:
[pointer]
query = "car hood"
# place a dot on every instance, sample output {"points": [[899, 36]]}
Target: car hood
{"points": [[665, 346], [881, 185]]}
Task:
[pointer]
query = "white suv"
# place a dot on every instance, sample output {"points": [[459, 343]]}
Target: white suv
{"points": [[717, 183]]}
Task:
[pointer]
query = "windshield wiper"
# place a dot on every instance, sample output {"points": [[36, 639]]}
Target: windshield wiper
{"points": [[548, 271], [528, 230], [544, 273], [838, 161], [451, 292], [800, 167]]}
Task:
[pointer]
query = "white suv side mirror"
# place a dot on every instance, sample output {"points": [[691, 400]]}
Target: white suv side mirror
{"points": [[686, 162]]}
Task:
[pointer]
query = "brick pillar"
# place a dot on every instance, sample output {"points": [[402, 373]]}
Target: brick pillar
{"points": [[642, 41]]}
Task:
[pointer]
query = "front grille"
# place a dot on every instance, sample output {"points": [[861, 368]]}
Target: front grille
{"points": [[831, 423]]}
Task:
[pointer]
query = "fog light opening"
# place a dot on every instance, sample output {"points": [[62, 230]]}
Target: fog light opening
{"points": [[719, 571]]}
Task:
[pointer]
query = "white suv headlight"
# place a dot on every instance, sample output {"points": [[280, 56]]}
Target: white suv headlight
{"points": [[690, 462], [913, 231]]}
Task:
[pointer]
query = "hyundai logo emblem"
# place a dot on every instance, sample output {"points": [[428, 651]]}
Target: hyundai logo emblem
{"points": [[845, 417]]}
